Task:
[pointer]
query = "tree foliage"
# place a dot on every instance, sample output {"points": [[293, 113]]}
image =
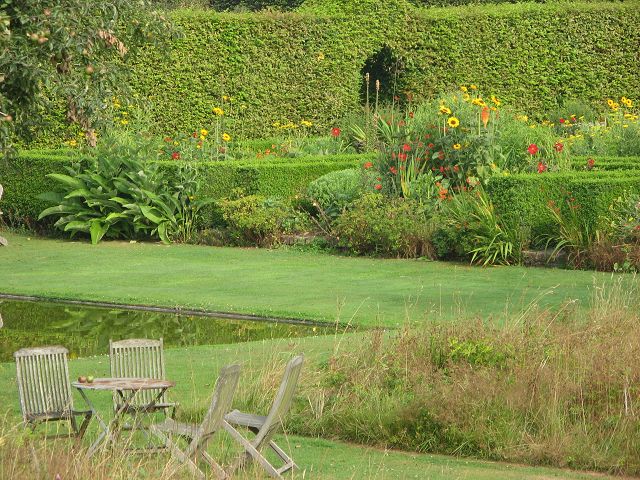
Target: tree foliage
{"points": [[70, 50]]}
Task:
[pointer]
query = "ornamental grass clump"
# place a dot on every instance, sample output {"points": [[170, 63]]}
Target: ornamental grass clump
{"points": [[546, 387]]}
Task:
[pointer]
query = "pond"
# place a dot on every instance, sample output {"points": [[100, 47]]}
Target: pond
{"points": [[87, 330]]}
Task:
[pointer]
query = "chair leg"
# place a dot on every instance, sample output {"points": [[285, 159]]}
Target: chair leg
{"points": [[218, 471], [288, 461], [249, 450], [179, 455], [84, 425]]}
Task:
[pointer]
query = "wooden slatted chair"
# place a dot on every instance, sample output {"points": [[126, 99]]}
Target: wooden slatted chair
{"points": [[199, 435], [265, 428], [45, 390], [140, 358]]}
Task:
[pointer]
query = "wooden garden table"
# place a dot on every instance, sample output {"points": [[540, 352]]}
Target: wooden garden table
{"points": [[126, 389]]}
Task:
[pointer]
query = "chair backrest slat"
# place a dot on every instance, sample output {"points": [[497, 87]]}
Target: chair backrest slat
{"points": [[138, 358], [282, 401], [220, 403], [43, 382]]}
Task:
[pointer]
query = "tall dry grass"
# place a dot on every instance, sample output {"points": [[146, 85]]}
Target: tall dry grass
{"points": [[556, 388]]}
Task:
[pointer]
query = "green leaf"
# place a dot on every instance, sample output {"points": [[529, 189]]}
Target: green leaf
{"points": [[97, 231], [152, 214], [67, 180]]}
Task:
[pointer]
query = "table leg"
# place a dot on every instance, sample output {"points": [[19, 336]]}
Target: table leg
{"points": [[105, 428]]}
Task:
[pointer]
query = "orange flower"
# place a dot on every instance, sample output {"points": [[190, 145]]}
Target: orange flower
{"points": [[485, 116]]}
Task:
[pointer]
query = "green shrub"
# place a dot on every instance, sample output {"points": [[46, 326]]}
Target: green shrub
{"points": [[470, 224], [242, 5], [119, 195], [377, 225], [315, 61], [335, 191], [524, 199], [259, 221], [24, 178]]}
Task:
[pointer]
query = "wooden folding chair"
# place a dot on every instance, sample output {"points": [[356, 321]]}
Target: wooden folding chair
{"points": [[45, 390], [140, 358], [266, 427], [199, 435]]}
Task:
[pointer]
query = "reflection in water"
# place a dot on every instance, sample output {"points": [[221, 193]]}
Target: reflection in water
{"points": [[87, 330]]}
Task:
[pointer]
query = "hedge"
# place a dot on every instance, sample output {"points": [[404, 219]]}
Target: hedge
{"points": [[525, 198], [607, 163], [308, 64], [24, 178]]}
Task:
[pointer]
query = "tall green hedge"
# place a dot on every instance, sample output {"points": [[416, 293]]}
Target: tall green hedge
{"points": [[24, 178], [525, 198], [308, 64]]}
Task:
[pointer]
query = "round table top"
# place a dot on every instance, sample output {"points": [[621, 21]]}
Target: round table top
{"points": [[124, 384]]}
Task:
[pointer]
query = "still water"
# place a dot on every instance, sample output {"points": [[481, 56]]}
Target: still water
{"points": [[86, 330]]}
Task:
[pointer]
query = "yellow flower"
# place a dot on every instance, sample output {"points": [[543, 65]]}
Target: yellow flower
{"points": [[198, 147], [306, 123], [276, 124], [445, 110], [478, 101], [523, 118], [453, 122], [204, 132], [72, 143], [625, 126], [321, 56], [466, 97], [473, 87], [124, 122], [464, 89], [124, 114], [176, 143], [610, 102], [226, 137], [116, 105], [226, 98], [202, 137], [457, 146], [495, 100], [218, 111]]}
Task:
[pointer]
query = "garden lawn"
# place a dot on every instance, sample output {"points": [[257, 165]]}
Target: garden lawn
{"points": [[195, 370], [283, 282]]}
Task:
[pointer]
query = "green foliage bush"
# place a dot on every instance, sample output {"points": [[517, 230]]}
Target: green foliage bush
{"points": [[222, 5], [335, 191], [259, 221], [308, 64], [378, 225], [119, 195], [24, 178], [524, 199]]}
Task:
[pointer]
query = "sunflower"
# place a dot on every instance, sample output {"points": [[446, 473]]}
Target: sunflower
{"points": [[453, 122], [226, 137], [457, 146], [610, 102], [204, 132], [464, 89], [218, 111], [445, 110], [466, 97], [495, 100]]}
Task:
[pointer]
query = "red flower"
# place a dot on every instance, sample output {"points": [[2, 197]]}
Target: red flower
{"points": [[406, 147], [393, 170], [456, 168], [175, 155], [441, 169], [401, 123], [590, 163], [168, 140], [430, 146], [441, 155], [533, 149], [410, 114], [562, 120], [194, 134], [558, 147], [335, 132], [541, 167], [378, 187], [368, 165], [402, 157]]}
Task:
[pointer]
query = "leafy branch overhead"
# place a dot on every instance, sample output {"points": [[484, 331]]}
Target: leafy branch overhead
{"points": [[71, 50]]}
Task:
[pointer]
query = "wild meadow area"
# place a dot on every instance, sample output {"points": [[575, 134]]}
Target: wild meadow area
{"points": [[332, 239]]}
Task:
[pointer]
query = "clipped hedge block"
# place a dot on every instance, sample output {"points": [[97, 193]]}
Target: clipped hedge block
{"points": [[525, 198]]}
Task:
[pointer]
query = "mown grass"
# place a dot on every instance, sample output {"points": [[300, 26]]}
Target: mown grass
{"points": [[282, 282]]}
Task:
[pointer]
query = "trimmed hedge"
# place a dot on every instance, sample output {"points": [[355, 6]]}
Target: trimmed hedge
{"points": [[24, 178], [309, 64], [607, 163], [525, 198]]}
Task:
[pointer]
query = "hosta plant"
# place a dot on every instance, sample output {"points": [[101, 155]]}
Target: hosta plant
{"points": [[123, 196]]}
